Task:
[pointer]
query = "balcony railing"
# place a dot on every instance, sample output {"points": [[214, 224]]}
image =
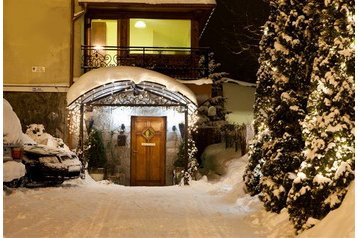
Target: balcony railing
{"points": [[179, 63]]}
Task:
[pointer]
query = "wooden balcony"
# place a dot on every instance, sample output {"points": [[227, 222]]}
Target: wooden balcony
{"points": [[179, 63]]}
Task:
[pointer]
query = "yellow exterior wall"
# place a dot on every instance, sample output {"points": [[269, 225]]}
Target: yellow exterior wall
{"points": [[240, 102], [36, 33]]}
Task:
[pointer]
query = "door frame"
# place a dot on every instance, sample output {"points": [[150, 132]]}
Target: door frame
{"points": [[164, 152]]}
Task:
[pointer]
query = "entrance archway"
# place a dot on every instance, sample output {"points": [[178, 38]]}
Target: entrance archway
{"points": [[108, 98]]}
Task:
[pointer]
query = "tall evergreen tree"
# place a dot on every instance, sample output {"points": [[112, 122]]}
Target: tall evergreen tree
{"points": [[292, 66], [328, 128], [262, 106]]}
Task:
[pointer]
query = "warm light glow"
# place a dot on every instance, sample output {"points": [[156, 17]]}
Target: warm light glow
{"points": [[98, 47], [140, 24]]}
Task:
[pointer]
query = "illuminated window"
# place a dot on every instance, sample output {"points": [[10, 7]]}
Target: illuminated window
{"points": [[104, 32], [159, 33]]}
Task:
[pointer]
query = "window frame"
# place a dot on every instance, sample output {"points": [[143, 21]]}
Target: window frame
{"points": [[123, 22]]}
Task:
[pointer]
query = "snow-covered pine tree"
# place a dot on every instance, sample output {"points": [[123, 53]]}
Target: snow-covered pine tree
{"points": [[328, 128], [292, 65], [262, 105], [212, 112]]}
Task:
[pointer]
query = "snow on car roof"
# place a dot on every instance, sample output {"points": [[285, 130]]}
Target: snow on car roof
{"points": [[102, 76]]}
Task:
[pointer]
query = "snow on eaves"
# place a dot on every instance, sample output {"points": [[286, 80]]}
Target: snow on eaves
{"points": [[242, 83], [102, 76], [151, 1], [201, 81]]}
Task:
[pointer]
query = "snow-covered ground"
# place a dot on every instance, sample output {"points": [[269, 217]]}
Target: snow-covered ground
{"points": [[214, 208]]}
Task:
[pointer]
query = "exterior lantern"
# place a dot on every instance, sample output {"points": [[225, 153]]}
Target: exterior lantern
{"points": [[212, 111]]}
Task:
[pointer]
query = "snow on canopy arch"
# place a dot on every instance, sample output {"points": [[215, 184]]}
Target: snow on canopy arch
{"points": [[103, 82]]}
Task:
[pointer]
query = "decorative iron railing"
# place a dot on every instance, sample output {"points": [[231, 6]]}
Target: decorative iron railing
{"points": [[177, 62]]}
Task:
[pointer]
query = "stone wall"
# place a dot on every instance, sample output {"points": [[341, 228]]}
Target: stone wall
{"points": [[47, 108], [108, 120]]}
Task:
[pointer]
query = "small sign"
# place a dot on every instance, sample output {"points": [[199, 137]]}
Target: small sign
{"points": [[148, 144]]}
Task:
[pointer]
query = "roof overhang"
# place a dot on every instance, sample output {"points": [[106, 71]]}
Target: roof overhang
{"points": [[185, 9]]}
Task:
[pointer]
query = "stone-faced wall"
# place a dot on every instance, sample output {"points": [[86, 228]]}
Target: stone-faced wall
{"points": [[47, 108]]}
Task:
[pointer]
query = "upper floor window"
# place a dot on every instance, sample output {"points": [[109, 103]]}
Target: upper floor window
{"points": [[159, 33], [142, 32]]}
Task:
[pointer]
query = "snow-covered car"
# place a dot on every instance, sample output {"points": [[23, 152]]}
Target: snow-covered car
{"points": [[48, 166]]}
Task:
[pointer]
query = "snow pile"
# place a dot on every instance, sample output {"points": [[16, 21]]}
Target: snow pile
{"points": [[37, 133], [11, 125], [13, 170], [339, 222], [231, 188], [215, 159]]}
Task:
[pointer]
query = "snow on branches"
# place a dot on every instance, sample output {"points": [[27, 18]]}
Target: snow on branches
{"points": [[302, 156]]}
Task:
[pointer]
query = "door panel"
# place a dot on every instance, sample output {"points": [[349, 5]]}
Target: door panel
{"points": [[148, 151]]}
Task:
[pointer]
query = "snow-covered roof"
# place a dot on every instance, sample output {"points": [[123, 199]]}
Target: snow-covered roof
{"points": [[242, 83], [152, 1], [201, 81], [103, 76]]}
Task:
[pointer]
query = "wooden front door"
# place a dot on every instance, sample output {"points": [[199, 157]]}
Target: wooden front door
{"points": [[148, 137]]}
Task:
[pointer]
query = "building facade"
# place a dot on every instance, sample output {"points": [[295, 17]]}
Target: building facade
{"points": [[51, 47]]}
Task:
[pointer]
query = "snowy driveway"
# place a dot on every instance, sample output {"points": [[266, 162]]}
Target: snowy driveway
{"points": [[102, 210]]}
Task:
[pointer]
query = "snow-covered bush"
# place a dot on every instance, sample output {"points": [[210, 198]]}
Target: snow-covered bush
{"points": [[328, 127], [95, 153], [212, 112], [12, 132]]}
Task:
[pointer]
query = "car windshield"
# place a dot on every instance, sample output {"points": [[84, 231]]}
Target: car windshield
{"points": [[65, 157], [49, 159]]}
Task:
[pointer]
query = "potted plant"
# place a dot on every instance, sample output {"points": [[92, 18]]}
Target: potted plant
{"points": [[95, 155]]}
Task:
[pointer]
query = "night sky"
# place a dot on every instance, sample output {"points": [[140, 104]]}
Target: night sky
{"points": [[233, 34]]}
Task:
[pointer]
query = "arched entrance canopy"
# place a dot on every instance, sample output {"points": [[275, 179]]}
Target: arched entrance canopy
{"points": [[100, 83], [127, 87]]}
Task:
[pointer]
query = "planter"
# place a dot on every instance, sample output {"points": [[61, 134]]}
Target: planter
{"points": [[177, 174], [97, 174]]}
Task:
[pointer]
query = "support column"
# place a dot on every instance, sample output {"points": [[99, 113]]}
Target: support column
{"points": [[186, 137], [81, 128]]}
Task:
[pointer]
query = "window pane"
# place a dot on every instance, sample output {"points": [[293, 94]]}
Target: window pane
{"points": [[160, 33], [104, 33]]}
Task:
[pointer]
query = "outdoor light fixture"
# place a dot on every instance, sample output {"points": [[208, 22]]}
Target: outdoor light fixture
{"points": [[140, 24]]}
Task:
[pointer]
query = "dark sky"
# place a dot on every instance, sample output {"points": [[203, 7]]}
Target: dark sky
{"points": [[233, 34]]}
